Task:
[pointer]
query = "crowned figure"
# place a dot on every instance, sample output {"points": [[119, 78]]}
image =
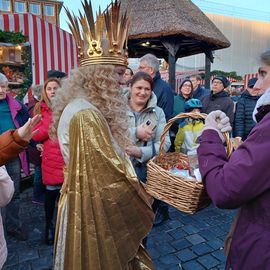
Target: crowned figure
{"points": [[104, 212]]}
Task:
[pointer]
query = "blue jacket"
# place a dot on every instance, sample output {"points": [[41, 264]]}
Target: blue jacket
{"points": [[200, 92], [243, 121], [164, 95]]}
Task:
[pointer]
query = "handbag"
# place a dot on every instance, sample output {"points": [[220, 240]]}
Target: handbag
{"points": [[141, 167]]}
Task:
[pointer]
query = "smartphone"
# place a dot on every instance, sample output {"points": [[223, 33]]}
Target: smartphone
{"points": [[149, 124]]}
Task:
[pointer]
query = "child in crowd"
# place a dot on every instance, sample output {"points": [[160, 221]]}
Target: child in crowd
{"points": [[189, 129]]}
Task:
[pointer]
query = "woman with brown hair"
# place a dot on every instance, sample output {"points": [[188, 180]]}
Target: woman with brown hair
{"points": [[146, 123], [52, 162], [184, 93]]}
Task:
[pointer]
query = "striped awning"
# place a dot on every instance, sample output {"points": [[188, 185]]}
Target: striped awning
{"points": [[249, 76], [52, 47]]}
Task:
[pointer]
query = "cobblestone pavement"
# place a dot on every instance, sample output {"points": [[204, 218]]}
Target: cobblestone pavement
{"points": [[189, 242]]}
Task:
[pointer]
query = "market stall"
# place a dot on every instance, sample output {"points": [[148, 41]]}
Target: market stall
{"points": [[45, 47]]}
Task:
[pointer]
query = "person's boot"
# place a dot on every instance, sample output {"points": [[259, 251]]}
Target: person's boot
{"points": [[161, 216], [49, 234]]}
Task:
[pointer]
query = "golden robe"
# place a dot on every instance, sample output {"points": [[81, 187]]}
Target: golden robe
{"points": [[104, 212]]}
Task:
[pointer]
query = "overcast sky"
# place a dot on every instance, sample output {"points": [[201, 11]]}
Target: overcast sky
{"points": [[250, 9]]}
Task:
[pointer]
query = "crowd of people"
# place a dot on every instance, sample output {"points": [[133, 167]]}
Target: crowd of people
{"points": [[90, 137]]}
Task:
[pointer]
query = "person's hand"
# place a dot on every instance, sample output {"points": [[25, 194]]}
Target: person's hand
{"points": [[40, 147], [134, 151], [26, 131], [218, 121], [143, 133], [236, 142]]}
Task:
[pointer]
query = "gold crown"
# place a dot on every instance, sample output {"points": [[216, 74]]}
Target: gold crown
{"points": [[98, 44]]}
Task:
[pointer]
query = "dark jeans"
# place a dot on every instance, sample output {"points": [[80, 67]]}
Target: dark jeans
{"points": [[51, 196], [38, 187], [11, 211]]}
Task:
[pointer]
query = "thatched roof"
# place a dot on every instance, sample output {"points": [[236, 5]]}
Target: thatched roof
{"points": [[178, 20]]}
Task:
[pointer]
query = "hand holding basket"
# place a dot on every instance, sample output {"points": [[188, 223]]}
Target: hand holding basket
{"points": [[185, 195]]}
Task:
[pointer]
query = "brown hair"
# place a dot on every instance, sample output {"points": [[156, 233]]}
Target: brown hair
{"points": [[179, 92], [141, 76], [44, 96]]}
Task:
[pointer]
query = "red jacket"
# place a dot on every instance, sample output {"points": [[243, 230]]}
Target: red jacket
{"points": [[52, 161]]}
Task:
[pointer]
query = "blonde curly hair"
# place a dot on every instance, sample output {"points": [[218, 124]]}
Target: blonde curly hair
{"points": [[99, 86]]}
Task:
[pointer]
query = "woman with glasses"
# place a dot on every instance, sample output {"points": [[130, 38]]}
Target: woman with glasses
{"points": [[184, 93]]}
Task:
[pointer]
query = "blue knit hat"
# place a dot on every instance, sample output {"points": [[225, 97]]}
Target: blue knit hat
{"points": [[223, 79]]}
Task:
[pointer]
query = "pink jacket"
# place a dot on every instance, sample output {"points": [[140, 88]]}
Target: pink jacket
{"points": [[52, 161], [6, 192]]}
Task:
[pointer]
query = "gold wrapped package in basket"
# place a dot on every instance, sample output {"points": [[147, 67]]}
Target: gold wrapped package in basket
{"points": [[185, 195]]}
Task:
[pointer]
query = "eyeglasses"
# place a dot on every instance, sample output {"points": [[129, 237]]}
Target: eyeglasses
{"points": [[143, 67]]}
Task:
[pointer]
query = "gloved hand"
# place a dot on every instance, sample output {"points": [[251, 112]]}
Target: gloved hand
{"points": [[218, 121]]}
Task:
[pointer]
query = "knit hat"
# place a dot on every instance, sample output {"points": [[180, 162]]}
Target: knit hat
{"points": [[223, 79], [252, 82], [56, 74]]}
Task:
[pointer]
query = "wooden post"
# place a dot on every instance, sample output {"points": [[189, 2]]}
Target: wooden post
{"points": [[171, 60], [207, 72], [172, 47]]}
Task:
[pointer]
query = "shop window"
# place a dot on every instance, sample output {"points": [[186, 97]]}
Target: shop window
{"points": [[20, 7], [34, 8], [49, 10], [5, 5]]}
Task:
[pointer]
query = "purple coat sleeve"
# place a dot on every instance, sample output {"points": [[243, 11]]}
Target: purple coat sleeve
{"points": [[245, 176]]}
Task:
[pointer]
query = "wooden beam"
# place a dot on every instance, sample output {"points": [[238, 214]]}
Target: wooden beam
{"points": [[207, 72], [172, 61], [172, 47]]}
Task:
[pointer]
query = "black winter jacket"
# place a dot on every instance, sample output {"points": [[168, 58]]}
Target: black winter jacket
{"points": [[200, 92], [220, 101], [165, 97], [243, 122]]}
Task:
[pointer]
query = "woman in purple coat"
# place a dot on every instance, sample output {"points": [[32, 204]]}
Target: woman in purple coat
{"points": [[243, 181]]}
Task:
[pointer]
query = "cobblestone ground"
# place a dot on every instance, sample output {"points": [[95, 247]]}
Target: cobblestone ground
{"points": [[189, 242]]}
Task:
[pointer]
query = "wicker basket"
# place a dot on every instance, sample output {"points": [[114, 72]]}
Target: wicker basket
{"points": [[187, 196]]}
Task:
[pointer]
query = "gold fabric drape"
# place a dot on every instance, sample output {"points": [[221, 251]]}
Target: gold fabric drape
{"points": [[104, 212]]}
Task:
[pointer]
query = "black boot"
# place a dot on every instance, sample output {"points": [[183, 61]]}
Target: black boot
{"points": [[162, 215], [49, 234]]}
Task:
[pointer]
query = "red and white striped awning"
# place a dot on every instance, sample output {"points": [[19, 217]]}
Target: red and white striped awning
{"points": [[52, 47]]}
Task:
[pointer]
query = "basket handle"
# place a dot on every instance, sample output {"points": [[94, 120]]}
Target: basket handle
{"points": [[194, 115]]}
